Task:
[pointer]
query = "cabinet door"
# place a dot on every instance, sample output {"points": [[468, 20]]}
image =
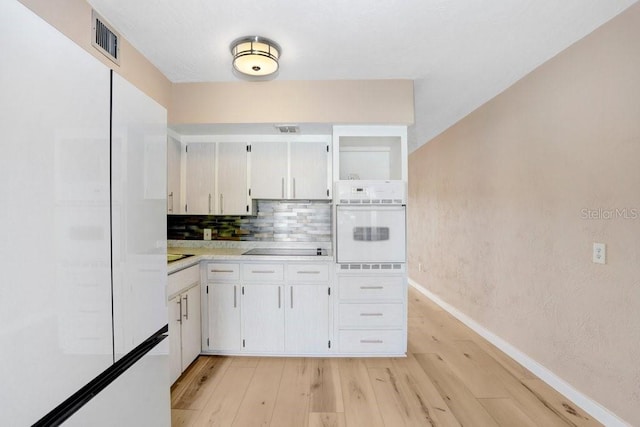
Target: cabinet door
{"points": [[224, 317], [232, 179], [263, 318], [307, 318], [269, 170], [200, 178], [309, 170], [173, 176], [175, 347], [191, 335]]}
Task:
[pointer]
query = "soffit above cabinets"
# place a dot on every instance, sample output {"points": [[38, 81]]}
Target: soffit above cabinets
{"points": [[250, 129]]}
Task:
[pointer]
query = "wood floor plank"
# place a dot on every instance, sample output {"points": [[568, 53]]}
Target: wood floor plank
{"points": [[506, 412], [419, 305], [178, 388], [392, 403], [427, 400], [198, 384], [536, 407], [326, 389], [327, 419], [223, 403], [571, 412], [462, 402], [183, 417], [245, 361], [422, 339], [257, 406], [292, 402], [397, 405], [516, 369], [378, 362], [360, 405], [481, 382]]}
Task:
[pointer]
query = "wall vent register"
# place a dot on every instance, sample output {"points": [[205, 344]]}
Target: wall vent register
{"points": [[105, 38]]}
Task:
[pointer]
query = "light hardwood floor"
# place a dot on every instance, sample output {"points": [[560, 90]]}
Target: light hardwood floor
{"points": [[450, 377]]}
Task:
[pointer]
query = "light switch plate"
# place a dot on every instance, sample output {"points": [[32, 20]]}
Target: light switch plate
{"points": [[207, 234], [599, 253]]}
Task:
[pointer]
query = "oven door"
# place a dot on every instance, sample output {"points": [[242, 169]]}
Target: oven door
{"points": [[370, 234]]}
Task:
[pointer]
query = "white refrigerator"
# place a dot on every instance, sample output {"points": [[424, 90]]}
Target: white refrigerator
{"points": [[83, 310]]}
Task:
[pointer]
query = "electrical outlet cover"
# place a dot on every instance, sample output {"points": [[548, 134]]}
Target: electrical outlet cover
{"points": [[599, 253]]}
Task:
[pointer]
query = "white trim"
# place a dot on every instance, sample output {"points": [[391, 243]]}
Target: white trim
{"points": [[589, 405]]}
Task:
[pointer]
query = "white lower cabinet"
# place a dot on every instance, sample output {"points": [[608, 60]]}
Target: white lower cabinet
{"points": [[307, 318], [371, 314], [263, 318], [224, 316], [268, 308], [184, 320], [222, 326], [292, 308]]}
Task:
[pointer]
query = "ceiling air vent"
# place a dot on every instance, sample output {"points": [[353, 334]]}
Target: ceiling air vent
{"points": [[105, 38], [288, 128]]}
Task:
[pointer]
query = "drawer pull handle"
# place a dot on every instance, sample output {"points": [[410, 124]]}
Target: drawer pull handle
{"points": [[370, 314], [371, 287], [263, 271], [371, 341], [235, 297], [222, 271], [308, 272]]}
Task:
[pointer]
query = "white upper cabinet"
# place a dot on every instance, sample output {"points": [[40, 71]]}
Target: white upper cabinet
{"points": [[296, 169], [200, 179], [309, 170], [222, 174], [269, 174], [232, 179], [173, 175]]}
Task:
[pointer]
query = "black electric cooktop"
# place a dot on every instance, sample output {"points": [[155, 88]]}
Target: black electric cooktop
{"points": [[287, 252]]}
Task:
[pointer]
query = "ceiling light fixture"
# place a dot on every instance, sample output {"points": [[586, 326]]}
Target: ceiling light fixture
{"points": [[255, 57]]}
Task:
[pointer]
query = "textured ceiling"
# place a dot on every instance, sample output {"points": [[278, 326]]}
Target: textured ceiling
{"points": [[460, 53]]}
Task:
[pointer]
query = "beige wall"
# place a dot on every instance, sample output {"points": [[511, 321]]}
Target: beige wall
{"points": [[496, 215], [343, 101], [73, 18]]}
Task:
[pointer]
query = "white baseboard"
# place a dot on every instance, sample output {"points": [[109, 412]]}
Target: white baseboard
{"points": [[590, 406]]}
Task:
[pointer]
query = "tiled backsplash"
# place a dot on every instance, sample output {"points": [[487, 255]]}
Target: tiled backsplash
{"points": [[278, 221]]}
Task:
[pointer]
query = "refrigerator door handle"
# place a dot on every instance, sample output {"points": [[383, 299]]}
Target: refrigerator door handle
{"points": [[99, 383]]}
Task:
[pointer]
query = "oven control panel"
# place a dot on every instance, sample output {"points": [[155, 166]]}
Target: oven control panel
{"points": [[373, 192]]}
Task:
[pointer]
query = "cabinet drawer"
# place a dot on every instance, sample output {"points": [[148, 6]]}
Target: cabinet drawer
{"points": [[372, 341], [308, 272], [182, 279], [371, 315], [223, 271], [263, 272], [372, 288]]}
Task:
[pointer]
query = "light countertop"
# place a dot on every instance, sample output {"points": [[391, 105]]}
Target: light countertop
{"points": [[230, 254]]}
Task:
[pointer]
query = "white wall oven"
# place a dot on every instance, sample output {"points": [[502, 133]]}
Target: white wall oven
{"points": [[370, 222], [370, 271]]}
